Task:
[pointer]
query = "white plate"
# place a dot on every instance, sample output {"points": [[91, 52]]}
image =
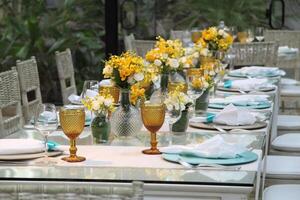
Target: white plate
{"points": [[29, 155]]}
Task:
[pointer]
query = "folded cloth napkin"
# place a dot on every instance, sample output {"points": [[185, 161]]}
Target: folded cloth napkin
{"points": [[259, 71], [215, 147], [105, 82], [230, 115], [241, 100], [234, 116], [286, 49], [247, 84], [77, 99]]}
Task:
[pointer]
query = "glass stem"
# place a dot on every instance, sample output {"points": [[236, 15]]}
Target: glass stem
{"points": [[194, 107], [46, 146], [153, 141], [73, 148]]}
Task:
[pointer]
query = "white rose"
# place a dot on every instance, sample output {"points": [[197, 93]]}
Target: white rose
{"points": [[204, 52], [108, 69], [165, 56], [221, 32], [130, 80], [157, 62], [183, 59], [95, 105], [205, 84], [108, 102], [196, 55], [173, 63], [211, 73], [138, 76], [186, 66]]}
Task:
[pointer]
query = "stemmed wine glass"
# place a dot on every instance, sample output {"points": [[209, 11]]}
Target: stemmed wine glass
{"points": [[233, 32], [259, 34], [153, 116], [250, 35], [45, 121], [177, 81], [174, 115], [72, 120], [195, 89], [89, 85]]}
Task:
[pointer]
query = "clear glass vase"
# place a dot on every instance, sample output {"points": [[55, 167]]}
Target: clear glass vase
{"points": [[126, 120]]}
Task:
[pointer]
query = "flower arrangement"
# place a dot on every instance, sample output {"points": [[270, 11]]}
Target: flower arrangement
{"points": [[214, 39], [125, 70], [101, 103], [166, 55], [177, 99]]}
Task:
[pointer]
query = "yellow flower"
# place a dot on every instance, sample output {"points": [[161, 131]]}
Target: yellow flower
{"points": [[210, 33], [136, 93]]}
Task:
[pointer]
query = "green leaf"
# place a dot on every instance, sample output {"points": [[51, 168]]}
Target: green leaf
{"points": [[56, 45], [23, 52]]}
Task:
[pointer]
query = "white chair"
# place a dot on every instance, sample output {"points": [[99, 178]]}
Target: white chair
{"points": [[282, 192], [128, 42], [10, 103], [66, 77], [256, 53], [29, 86]]}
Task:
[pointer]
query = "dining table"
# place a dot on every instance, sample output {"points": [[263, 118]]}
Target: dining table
{"points": [[119, 162]]}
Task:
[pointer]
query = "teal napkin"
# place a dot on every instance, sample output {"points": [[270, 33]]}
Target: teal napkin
{"points": [[52, 145]]}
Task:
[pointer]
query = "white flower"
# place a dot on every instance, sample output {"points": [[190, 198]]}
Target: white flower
{"points": [[204, 52], [165, 56], [196, 55], [221, 32], [130, 80], [183, 59], [108, 70], [157, 62], [108, 102], [173, 63], [186, 66], [95, 105], [188, 51], [138, 76], [212, 73]]}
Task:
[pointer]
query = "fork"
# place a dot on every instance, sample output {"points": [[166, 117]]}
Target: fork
{"points": [[207, 166]]}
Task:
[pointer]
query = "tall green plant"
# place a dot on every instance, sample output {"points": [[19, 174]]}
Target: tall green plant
{"points": [[35, 30]]}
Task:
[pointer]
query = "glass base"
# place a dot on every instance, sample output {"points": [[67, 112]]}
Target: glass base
{"points": [[151, 151], [74, 159]]}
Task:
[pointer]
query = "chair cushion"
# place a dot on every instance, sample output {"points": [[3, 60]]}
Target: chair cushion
{"points": [[290, 90], [287, 142], [288, 122], [284, 167], [281, 192]]}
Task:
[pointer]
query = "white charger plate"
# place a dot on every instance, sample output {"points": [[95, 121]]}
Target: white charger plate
{"points": [[29, 155]]}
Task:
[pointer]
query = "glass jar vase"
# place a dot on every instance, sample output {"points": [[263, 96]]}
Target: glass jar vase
{"points": [[126, 120], [100, 127]]}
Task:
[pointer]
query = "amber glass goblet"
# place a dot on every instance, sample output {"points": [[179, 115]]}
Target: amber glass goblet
{"points": [[72, 120], [153, 116]]}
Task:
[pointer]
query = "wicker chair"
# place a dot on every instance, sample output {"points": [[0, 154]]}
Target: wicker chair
{"points": [[62, 190], [257, 53], [29, 86], [177, 34], [10, 103], [286, 38], [65, 74], [289, 93]]}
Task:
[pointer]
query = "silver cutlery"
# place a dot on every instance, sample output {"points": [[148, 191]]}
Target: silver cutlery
{"points": [[219, 129], [208, 166]]}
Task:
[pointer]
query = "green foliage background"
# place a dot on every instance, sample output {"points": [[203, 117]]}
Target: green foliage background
{"points": [[29, 28]]}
